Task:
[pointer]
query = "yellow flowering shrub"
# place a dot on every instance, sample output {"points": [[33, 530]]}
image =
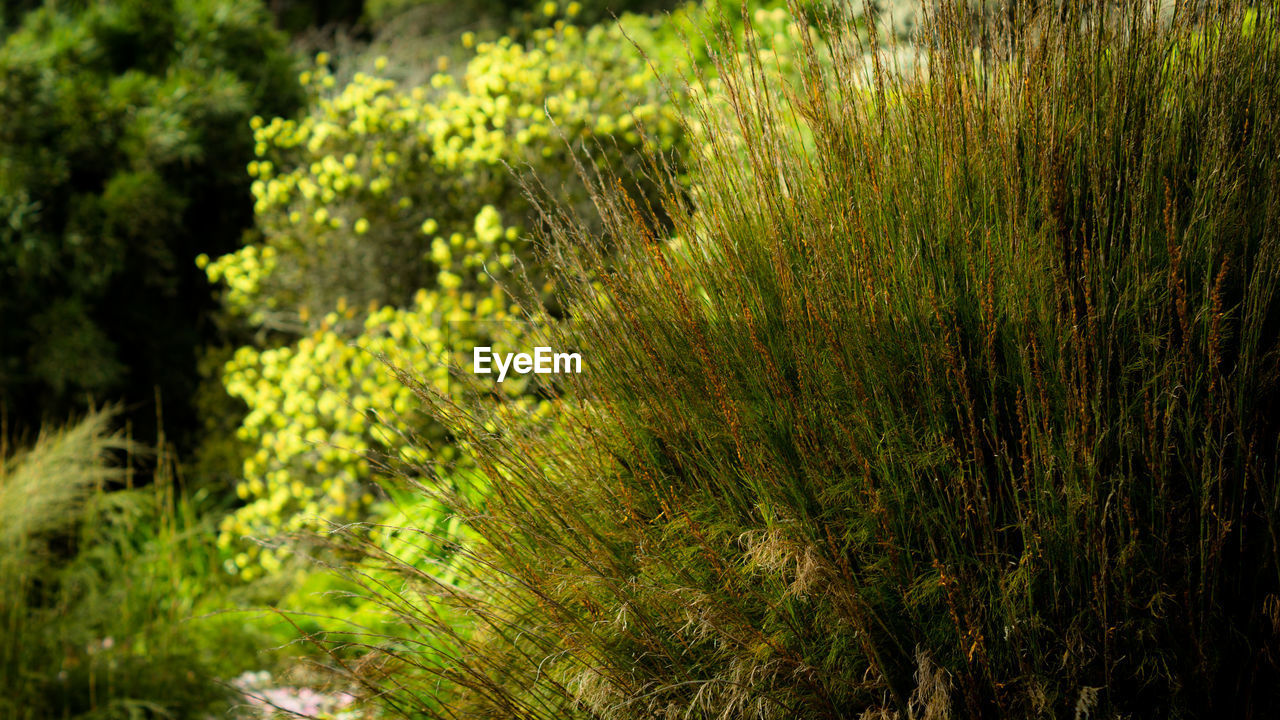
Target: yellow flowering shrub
{"points": [[389, 219], [342, 193], [322, 405]]}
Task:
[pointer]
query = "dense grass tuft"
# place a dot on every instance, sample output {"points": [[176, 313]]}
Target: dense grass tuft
{"points": [[956, 392]]}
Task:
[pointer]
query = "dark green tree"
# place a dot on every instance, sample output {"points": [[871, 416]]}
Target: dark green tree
{"points": [[124, 134]]}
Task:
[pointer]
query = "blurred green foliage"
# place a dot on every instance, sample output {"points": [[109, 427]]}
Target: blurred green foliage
{"points": [[123, 137], [105, 593], [302, 16]]}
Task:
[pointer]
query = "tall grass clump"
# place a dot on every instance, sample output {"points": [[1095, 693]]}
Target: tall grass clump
{"points": [[949, 389], [98, 584]]}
